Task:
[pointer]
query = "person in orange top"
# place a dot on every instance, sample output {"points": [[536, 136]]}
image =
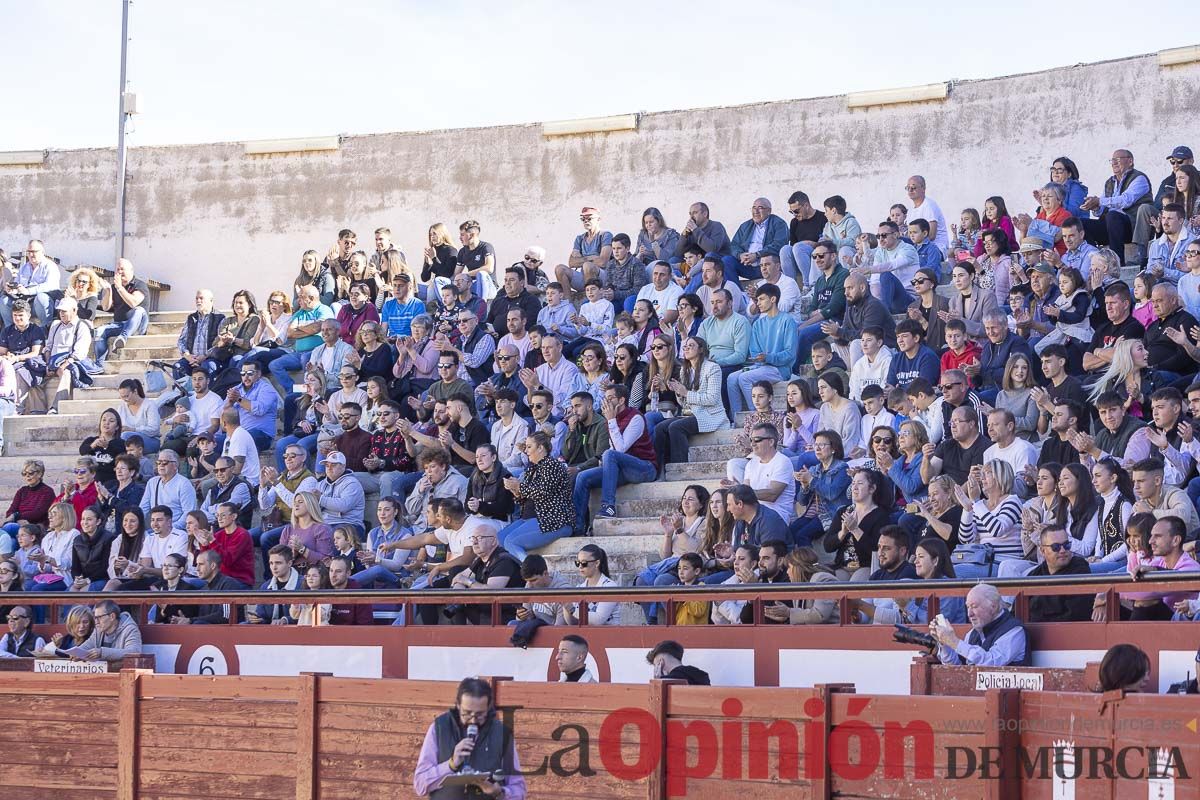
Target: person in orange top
{"points": [[691, 612]]}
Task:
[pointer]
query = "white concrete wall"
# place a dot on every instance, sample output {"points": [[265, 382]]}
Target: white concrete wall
{"points": [[207, 215]]}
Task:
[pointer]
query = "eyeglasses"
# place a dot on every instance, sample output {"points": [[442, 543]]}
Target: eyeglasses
{"points": [[30, 473], [8, 571], [586, 218], [168, 565], [658, 347], [103, 614], [15, 617], [220, 469], [919, 281], [1117, 160], [795, 212], [1191, 252], [820, 253], [447, 366], [582, 564], [537, 406], [757, 439], [1175, 162], [885, 235], [762, 208], [349, 415], [248, 373], [532, 260], [882, 440], [292, 455], [80, 471], [945, 387], [504, 358], [347, 377], [478, 539], [164, 461], [1057, 547]]}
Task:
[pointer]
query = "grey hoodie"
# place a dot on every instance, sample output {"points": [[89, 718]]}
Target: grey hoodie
{"points": [[126, 640]]}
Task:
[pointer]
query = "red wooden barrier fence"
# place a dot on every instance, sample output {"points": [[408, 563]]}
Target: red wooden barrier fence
{"points": [[153, 737]]}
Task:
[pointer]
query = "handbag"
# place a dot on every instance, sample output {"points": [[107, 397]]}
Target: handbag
{"points": [[981, 555]]}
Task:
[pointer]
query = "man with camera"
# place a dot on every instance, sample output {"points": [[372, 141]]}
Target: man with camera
{"points": [[996, 639], [468, 752]]}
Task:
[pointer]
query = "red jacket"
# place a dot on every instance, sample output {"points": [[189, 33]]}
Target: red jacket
{"points": [[237, 554], [80, 499], [972, 352]]}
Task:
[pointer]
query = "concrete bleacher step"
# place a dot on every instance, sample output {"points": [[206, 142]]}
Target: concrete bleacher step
{"points": [[715, 452], [91, 404], [616, 527], [41, 449], [692, 471], [136, 351], [175, 318]]}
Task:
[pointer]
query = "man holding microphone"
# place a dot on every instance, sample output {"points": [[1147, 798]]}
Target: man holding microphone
{"points": [[468, 752]]}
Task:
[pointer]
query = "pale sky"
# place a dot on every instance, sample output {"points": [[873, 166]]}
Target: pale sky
{"points": [[229, 70]]}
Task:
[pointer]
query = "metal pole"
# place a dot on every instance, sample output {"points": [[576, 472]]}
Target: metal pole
{"points": [[121, 119]]}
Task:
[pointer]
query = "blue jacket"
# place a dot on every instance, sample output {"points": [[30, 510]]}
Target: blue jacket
{"points": [[775, 239], [1075, 193], [830, 485], [907, 476], [995, 356]]}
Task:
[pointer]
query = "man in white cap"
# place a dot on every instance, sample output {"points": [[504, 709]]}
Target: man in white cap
{"points": [[342, 498], [68, 343]]}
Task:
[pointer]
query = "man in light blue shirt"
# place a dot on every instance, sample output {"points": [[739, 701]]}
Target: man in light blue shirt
{"points": [[1124, 192], [36, 278], [399, 309], [169, 488], [728, 337], [1166, 257], [1079, 251], [257, 404], [773, 338], [303, 336]]}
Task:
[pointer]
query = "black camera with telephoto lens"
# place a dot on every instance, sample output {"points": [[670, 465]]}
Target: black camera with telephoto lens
{"points": [[906, 635]]}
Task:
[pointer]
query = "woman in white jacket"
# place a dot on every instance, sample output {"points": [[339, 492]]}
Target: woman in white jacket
{"points": [[698, 391]]}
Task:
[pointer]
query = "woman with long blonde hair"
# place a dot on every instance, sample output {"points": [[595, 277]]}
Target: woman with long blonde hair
{"points": [[441, 260], [1130, 376]]}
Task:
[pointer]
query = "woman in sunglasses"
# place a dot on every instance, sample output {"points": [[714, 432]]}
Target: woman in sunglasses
{"points": [[81, 493], [630, 371], [592, 563], [929, 307]]}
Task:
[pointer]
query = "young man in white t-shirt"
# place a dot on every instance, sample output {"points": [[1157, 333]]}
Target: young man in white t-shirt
{"points": [[240, 446]]}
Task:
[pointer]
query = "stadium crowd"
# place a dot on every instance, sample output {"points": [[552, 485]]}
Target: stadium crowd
{"points": [[978, 397]]}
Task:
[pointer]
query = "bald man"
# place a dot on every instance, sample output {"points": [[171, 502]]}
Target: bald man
{"points": [[198, 334], [763, 233], [125, 297]]}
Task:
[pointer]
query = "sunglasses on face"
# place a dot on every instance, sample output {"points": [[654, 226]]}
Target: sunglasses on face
{"points": [[757, 439], [537, 406], [445, 366], [881, 440], [658, 347], [1057, 547], [533, 260], [582, 564]]}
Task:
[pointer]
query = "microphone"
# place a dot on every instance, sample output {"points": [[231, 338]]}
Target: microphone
{"points": [[472, 732]]}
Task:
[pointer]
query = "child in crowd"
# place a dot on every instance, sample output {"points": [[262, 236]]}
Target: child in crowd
{"points": [[178, 424], [691, 612], [626, 333], [875, 415], [136, 447], [29, 545], [965, 235], [1018, 300], [595, 317], [1070, 312], [201, 459], [346, 543], [1143, 312], [922, 395], [900, 406], [445, 321], [960, 349], [929, 254], [556, 315]]}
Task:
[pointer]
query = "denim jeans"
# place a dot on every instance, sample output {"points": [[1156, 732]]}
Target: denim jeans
{"points": [[135, 324], [288, 362], [809, 335], [524, 535], [796, 259], [661, 573], [616, 469], [151, 442], [377, 573], [891, 293], [741, 382]]}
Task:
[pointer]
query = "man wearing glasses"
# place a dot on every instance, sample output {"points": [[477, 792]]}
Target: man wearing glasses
{"points": [[256, 405], [230, 488], [1124, 192], [20, 641], [169, 488], [506, 376], [890, 267], [493, 568], [1057, 559], [470, 735], [36, 278], [476, 347], [589, 254], [115, 636], [763, 233], [387, 459]]}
